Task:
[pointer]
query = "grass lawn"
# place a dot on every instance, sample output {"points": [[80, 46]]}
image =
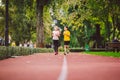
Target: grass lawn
{"points": [[111, 54]]}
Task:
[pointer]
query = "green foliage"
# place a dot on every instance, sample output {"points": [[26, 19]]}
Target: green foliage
{"points": [[22, 20], [2, 20], [76, 14], [76, 49], [6, 52]]}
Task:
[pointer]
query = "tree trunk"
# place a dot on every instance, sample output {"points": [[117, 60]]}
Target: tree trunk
{"points": [[40, 26], [6, 25], [114, 27], [98, 36]]}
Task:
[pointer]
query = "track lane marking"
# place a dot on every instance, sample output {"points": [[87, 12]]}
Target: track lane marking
{"points": [[64, 72]]}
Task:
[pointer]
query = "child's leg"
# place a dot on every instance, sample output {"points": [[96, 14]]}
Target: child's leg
{"points": [[65, 50], [56, 47]]}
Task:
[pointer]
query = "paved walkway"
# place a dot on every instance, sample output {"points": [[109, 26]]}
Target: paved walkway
{"points": [[47, 66]]}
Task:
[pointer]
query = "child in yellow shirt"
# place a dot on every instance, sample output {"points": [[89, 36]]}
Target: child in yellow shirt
{"points": [[66, 34]]}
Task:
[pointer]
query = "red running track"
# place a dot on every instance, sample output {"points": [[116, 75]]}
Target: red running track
{"points": [[48, 66], [89, 67], [33, 67]]}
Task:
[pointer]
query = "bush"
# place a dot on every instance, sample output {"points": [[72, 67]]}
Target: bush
{"points": [[3, 51], [76, 50], [6, 52]]}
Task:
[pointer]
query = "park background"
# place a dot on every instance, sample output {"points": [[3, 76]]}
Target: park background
{"points": [[92, 23]]}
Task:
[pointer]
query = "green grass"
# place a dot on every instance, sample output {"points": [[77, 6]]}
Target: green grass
{"points": [[111, 54]]}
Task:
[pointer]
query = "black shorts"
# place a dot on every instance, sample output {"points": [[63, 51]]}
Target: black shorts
{"points": [[66, 42]]}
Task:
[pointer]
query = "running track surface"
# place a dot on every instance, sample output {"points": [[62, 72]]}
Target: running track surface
{"points": [[47, 66]]}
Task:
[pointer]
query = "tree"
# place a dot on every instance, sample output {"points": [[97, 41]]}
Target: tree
{"points": [[32, 17], [2, 19], [22, 20], [6, 26], [40, 26]]}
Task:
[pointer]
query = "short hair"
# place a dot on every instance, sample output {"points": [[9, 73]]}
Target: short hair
{"points": [[66, 27]]}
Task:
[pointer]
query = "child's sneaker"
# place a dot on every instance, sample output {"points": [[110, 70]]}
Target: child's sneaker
{"points": [[64, 53], [56, 53]]}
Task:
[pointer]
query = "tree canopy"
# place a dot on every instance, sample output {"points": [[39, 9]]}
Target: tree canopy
{"points": [[88, 20]]}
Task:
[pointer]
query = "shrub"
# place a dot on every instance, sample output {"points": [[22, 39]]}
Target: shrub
{"points": [[6, 52], [3, 51], [76, 50]]}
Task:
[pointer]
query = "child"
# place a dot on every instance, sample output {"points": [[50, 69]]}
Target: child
{"points": [[56, 35], [66, 34]]}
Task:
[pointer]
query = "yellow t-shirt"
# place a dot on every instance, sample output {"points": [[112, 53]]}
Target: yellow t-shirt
{"points": [[66, 35]]}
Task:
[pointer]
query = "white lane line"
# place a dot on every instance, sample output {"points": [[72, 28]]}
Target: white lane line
{"points": [[63, 74]]}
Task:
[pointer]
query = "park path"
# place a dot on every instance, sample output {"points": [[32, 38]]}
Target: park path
{"points": [[90, 67], [47, 66], [34, 67]]}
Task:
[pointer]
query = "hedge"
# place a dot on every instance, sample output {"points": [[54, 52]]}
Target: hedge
{"points": [[6, 52]]}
